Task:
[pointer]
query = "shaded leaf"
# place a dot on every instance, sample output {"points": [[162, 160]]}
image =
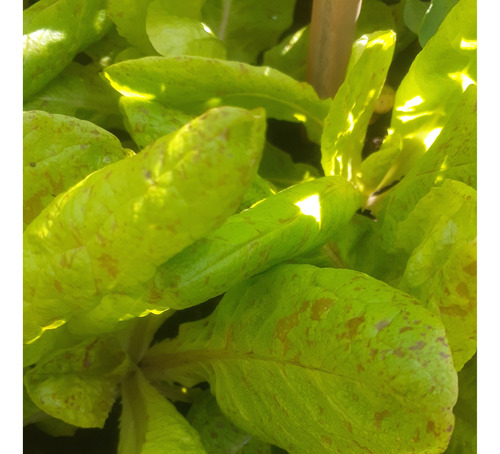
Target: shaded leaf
{"points": [[79, 385], [432, 19], [58, 152], [54, 31], [259, 189], [175, 82], [345, 126], [285, 225], [414, 12], [320, 360], [150, 424], [374, 16], [248, 27], [177, 190], [56, 428]]}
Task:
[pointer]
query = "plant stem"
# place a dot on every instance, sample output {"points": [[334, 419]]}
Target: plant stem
{"points": [[333, 25]]}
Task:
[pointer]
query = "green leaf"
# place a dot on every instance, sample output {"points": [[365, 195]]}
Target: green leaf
{"points": [[260, 189], [79, 385], [464, 438], [175, 82], [129, 17], [441, 271], [414, 12], [103, 53], [217, 433], [54, 31], [79, 92], [56, 428], [350, 112], [405, 36], [278, 228], [147, 121], [171, 35], [320, 360], [58, 152], [374, 16], [90, 240], [150, 424], [248, 27], [433, 18], [290, 54], [431, 89], [278, 168]]}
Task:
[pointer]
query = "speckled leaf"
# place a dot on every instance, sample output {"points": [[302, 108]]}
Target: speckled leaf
{"points": [[147, 121], [279, 169], [78, 91], [150, 424], [130, 19], [345, 126], [433, 17], [440, 234], [432, 87], [278, 228], [248, 27], [321, 360], [290, 54], [175, 82], [90, 241], [464, 438], [79, 385], [172, 35], [217, 433], [54, 31], [58, 152]]}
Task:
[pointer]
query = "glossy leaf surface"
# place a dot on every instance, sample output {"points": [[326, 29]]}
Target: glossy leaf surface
{"points": [[321, 360], [280, 227], [79, 385], [54, 31], [150, 424], [174, 82], [58, 152], [75, 249]]}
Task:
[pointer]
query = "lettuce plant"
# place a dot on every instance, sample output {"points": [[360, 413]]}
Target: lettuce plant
{"points": [[332, 302]]}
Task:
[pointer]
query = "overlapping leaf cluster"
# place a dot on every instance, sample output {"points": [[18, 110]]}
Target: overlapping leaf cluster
{"points": [[150, 187]]}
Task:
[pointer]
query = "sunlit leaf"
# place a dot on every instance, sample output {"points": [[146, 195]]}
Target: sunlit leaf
{"points": [[431, 90], [172, 35], [217, 433], [79, 385], [58, 152], [345, 126], [175, 82], [320, 360], [78, 91], [177, 190], [248, 27], [54, 31], [150, 424], [285, 225]]}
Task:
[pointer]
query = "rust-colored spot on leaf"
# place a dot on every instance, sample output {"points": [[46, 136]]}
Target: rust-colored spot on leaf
{"points": [[380, 416], [320, 307], [462, 290], [382, 324], [349, 426], [326, 441], [58, 286], [416, 438], [405, 328], [353, 325], [418, 346], [431, 427], [449, 428], [283, 327], [471, 268], [360, 368], [453, 311], [110, 264], [399, 352]]}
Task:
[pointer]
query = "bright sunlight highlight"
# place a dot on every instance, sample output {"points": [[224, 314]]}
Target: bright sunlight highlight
{"points": [[310, 206], [468, 44], [42, 37], [431, 137], [127, 91], [410, 104]]}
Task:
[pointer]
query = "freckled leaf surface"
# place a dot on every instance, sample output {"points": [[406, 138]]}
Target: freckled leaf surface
{"points": [[58, 152], [280, 227], [248, 27], [350, 112], [54, 31], [432, 87], [150, 424], [147, 121], [217, 433], [321, 360], [79, 385], [78, 91], [175, 82], [440, 234], [91, 240]]}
